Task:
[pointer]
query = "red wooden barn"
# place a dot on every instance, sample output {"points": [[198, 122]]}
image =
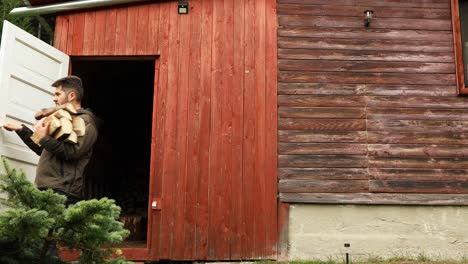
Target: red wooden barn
{"points": [[217, 120]]}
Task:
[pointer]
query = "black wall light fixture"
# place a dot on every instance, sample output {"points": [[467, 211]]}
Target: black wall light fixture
{"points": [[368, 17], [182, 8]]}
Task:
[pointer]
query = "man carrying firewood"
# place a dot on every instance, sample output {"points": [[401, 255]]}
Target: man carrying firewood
{"points": [[64, 137]]}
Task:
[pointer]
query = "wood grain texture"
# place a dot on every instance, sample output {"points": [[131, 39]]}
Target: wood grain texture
{"points": [[376, 198], [365, 44], [381, 99], [322, 186], [215, 130], [402, 186], [323, 173]]}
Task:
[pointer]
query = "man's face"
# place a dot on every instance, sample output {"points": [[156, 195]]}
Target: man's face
{"points": [[60, 97]]}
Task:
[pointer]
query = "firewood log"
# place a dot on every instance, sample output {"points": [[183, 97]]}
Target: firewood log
{"points": [[48, 111], [79, 125], [64, 130], [54, 123]]}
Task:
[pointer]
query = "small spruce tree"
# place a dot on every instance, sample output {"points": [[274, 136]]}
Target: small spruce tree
{"points": [[33, 219]]}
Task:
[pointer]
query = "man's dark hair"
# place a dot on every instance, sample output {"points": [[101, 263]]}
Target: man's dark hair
{"points": [[71, 83]]}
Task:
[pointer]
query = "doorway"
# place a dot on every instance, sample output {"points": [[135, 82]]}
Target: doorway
{"points": [[120, 92]]}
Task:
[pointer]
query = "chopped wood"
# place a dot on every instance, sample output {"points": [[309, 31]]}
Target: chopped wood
{"points": [[72, 138], [79, 125], [35, 138], [48, 111], [54, 123], [65, 129], [62, 113]]}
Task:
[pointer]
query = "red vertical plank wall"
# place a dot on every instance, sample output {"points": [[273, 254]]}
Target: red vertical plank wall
{"points": [[215, 123]]}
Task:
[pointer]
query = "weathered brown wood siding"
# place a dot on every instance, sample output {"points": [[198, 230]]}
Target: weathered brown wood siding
{"points": [[370, 110], [215, 126]]}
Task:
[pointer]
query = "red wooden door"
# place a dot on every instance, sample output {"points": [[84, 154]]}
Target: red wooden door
{"points": [[214, 144]]}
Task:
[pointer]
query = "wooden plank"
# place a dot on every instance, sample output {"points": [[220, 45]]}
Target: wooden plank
{"points": [[69, 37], [322, 124], [236, 218], [322, 161], [376, 78], [324, 173], [413, 101], [60, 31], [412, 186], [317, 137], [416, 162], [142, 30], [183, 64], [216, 142], [227, 57], [89, 28], [416, 150], [386, 3], [170, 57], [367, 89], [319, 101], [121, 31], [322, 112], [365, 66], [418, 174], [356, 11], [417, 114], [158, 126], [271, 129], [194, 132], [376, 198], [364, 33], [322, 186], [352, 22], [99, 32], [202, 221], [249, 149], [155, 189], [111, 36], [260, 194], [398, 137], [153, 27], [365, 44], [132, 29], [323, 148], [457, 46], [417, 125], [78, 34], [365, 55]]}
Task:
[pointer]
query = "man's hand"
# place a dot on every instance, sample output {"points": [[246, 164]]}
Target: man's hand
{"points": [[42, 128], [12, 127]]}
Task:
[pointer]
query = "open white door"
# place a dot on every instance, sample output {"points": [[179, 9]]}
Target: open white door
{"points": [[28, 67]]}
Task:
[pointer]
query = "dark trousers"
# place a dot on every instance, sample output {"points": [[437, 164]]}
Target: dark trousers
{"points": [[70, 201]]}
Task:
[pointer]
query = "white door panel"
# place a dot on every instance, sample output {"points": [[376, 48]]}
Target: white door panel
{"points": [[28, 67]]}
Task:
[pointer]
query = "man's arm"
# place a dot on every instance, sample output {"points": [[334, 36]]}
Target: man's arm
{"points": [[25, 134]]}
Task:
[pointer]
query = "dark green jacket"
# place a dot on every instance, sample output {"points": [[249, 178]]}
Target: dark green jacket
{"points": [[61, 165]]}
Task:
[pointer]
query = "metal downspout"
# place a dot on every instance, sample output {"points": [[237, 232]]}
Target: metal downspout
{"points": [[67, 7]]}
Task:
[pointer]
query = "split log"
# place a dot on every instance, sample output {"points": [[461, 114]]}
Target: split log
{"points": [[64, 130], [48, 111], [79, 125]]}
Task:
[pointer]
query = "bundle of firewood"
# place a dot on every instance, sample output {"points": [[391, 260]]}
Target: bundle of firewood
{"points": [[64, 124]]}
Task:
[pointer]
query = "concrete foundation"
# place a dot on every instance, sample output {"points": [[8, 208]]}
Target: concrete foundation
{"points": [[320, 231]]}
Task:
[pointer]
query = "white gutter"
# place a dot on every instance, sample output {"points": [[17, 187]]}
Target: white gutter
{"points": [[67, 6]]}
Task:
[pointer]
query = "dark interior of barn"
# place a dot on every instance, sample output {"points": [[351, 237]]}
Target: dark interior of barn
{"points": [[120, 93]]}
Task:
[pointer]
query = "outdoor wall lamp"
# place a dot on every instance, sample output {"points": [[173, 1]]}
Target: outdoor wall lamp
{"points": [[182, 7], [368, 17]]}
